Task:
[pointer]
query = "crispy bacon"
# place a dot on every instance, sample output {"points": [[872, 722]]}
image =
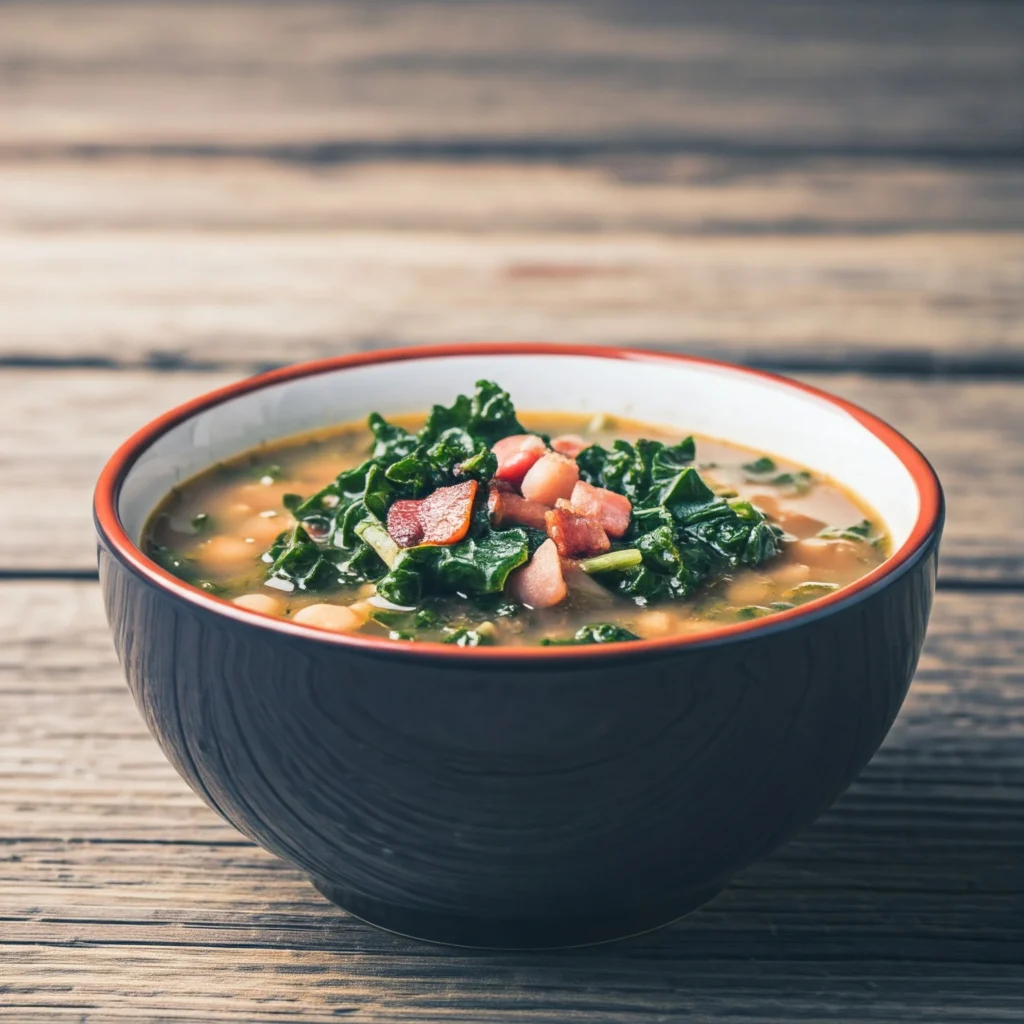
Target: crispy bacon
{"points": [[553, 476], [516, 454], [507, 508], [611, 510], [576, 536], [440, 518], [540, 583]]}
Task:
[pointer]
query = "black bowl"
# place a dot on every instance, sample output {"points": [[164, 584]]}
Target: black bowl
{"points": [[516, 797]]}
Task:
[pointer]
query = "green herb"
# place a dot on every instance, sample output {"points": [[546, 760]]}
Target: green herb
{"points": [[177, 565], [760, 466], [862, 532], [473, 566], [201, 523], [483, 635], [813, 589], [684, 532], [754, 611], [681, 535], [597, 633], [613, 561], [372, 531], [299, 560]]}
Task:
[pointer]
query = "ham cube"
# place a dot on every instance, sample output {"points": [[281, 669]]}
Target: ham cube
{"points": [[551, 477], [576, 536], [440, 518], [539, 583], [568, 444], [516, 454], [508, 509], [611, 510]]}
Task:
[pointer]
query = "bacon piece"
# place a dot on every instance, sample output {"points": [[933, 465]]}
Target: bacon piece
{"points": [[552, 477], [440, 518], [516, 454], [576, 536], [508, 508], [540, 583], [611, 510], [569, 444], [404, 523]]}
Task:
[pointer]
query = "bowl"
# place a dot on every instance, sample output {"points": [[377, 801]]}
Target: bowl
{"points": [[526, 797]]}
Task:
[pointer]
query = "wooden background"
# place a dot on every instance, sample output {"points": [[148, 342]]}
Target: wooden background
{"points": [[189, 192]]}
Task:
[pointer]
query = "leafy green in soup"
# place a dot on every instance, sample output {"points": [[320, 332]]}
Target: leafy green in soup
{"points": [[471, 529]]}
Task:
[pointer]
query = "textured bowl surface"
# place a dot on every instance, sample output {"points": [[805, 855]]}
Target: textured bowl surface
{"points": [[527, 797]]}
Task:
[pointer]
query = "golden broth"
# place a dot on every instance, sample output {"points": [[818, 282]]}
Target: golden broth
{"points": [[223, 520]]}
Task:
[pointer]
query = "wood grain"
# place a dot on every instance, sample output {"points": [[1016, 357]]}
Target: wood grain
{"points": [[247, 299], [902, 902], [62, 426], [239, 262], [656, 195], [311, 79]]}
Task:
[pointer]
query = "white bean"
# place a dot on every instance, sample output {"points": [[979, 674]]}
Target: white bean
{"points": [[335, 617]]}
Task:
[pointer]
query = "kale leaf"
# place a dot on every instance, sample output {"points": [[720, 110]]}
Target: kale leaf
{"points": [[862, 532], [454, 444], [684, 531], [596, 633], [297, 559], [474, 566]]}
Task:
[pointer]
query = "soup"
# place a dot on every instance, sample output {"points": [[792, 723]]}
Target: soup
{"points": [[475, 525]]}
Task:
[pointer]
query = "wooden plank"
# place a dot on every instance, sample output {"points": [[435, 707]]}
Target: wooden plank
{"points": [[62, 425], [691, 194], [245, 297], [858, 77], [903, 902]]}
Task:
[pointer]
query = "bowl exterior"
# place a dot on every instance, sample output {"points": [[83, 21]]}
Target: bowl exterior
{"points": [[519, 803]]}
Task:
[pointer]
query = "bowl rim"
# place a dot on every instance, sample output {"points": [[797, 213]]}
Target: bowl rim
{"points": [[112, 532]]}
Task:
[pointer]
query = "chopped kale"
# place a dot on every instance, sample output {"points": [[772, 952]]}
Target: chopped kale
{"points": [[684, 533], [763, 471], [596, 633], [761, 466], [862, 532], [482, 636], [299, 560], [681, 536], [474, 566]]}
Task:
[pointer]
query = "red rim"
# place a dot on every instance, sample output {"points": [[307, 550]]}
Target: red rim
{"points": [[113, 533]]}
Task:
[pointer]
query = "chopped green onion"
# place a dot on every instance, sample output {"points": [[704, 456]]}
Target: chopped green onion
{"points": [[613, 561], [374, 534]]}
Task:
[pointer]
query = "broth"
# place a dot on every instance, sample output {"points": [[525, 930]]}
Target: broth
{"points": [[214, 530]]}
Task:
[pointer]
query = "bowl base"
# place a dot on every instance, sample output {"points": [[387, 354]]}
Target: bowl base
{"points": [[512, 933]]}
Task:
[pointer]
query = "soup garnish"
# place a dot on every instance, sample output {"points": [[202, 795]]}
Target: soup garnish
{"points": [[472, 529]]}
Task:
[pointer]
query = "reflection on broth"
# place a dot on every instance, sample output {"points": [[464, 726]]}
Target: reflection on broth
{"points": [[583, 545]]}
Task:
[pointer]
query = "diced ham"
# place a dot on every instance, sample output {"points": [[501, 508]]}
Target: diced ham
{"points": [[568, 444], [576, 536], [611, 510], [440, 518], [516, 454], [508, 509], [540, 583], [553, 476]]}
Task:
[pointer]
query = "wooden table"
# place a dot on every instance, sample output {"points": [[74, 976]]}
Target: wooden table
{"points": [[188, 193]]}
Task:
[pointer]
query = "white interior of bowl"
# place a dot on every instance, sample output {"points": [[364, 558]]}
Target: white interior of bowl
{"points": [[728, 404]]}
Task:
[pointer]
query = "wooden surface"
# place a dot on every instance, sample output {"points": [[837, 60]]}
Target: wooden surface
{"points": [[190, 192]]}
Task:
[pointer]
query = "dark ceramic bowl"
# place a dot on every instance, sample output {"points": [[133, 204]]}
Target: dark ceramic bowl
{"points": [[521, 797]]}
